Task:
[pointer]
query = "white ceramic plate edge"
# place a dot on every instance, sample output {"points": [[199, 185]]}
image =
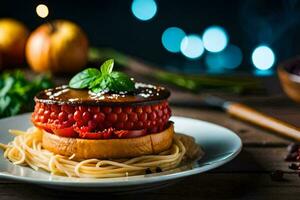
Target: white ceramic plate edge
{"points": [[135, 180]]}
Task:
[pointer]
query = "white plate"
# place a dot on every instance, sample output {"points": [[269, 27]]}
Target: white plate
{"points": [[220, 145]]}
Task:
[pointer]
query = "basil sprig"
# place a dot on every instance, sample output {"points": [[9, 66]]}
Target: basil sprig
{"points": [[103, 80]]}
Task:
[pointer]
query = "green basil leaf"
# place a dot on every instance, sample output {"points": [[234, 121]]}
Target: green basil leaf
{"points": [[120, 82], [102, 80], [84, 78], [107, 67], [101, 84], [4, 103], [97, 89], [16, 92], [96, 82], [8, 84]]}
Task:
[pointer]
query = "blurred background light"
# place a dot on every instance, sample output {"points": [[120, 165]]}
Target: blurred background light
{"points": [[171, 39], [42, 10], [267, 72], [192, 46], [230, 58], [144, 9], [263, 57], [215, 39]]}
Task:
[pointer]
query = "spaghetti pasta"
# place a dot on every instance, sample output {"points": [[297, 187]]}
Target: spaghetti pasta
{"points": [[26, 149]]}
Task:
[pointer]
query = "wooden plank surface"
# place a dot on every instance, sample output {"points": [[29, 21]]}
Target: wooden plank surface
{"points": [[205, 186], [257, 159]]}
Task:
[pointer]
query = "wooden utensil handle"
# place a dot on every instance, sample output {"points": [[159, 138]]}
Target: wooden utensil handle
{"points": [[248, 114]]}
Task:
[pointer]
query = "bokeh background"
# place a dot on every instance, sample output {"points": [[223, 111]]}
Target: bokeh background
{"points": [[232, 36]]}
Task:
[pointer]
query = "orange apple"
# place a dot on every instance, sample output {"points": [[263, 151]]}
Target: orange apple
{"points": [[13, 36], [59, 46]]}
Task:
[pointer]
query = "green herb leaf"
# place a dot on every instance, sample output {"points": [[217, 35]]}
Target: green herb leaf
{"points": [[104, 80], [8, 83], [4, 103], [120, 82], [85, 78], [100, 84], [16, 92], [107, 67]]}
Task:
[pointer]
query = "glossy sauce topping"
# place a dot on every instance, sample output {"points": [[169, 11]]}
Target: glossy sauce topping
{"points": [[144, 93]]}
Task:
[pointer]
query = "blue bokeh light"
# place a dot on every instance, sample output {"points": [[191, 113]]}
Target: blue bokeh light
{"points": [[263, 57], [215, 39], [171, 39], [144, 9], [267, 72], [229, 58], [192, 46]]}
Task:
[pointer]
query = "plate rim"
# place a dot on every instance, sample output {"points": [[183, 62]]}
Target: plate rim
{"points": [[131, 181]]}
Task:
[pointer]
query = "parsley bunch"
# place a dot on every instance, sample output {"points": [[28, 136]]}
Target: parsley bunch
{"points": [[102, 80], [16, 92]]}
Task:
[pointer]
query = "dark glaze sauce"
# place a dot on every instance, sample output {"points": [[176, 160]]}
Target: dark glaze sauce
{"points": [[144, 94]]}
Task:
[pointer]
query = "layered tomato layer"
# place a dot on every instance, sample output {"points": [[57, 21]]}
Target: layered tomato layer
{"points": [[101, 122]]}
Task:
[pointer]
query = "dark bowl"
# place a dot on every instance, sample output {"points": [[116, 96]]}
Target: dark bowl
{"points": [[290, 81]]}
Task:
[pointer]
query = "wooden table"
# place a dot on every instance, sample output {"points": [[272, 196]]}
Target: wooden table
{"points": [[246, 177]]}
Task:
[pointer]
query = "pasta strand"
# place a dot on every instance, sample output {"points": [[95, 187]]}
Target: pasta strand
{"points": [[26, 148]]}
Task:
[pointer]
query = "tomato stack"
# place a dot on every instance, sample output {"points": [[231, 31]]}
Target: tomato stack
{"points": [[122, 117]]}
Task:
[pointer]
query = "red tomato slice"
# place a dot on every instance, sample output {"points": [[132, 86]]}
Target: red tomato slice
{"points": [[48, 130], [136, 133], [43, 126], [66, 132], [88, 135], [84, 133], [130, 133]]}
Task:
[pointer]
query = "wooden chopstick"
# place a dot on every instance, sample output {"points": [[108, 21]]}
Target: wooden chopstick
{"points": [[250, 115]]}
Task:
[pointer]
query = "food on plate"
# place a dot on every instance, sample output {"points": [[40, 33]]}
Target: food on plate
{"points": [[13, 36], [58, 46], [102, 124]]}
